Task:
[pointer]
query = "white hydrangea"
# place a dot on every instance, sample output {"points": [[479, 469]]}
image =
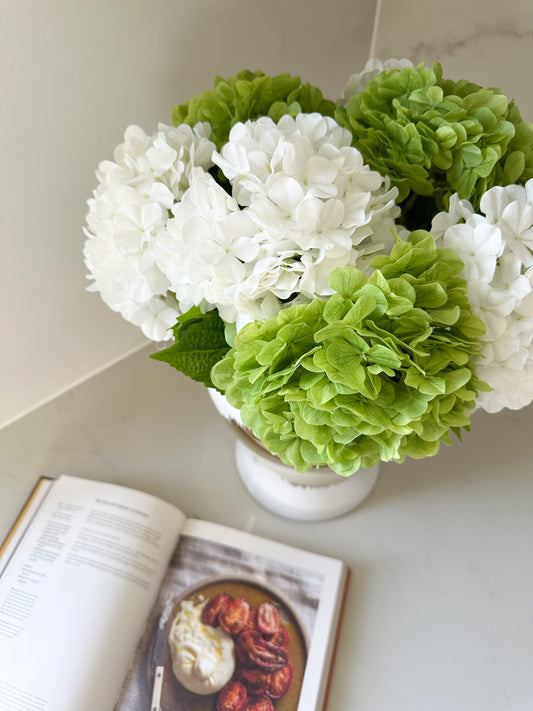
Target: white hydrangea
{"points": [[129, 206], [205, 247], [497, 250], [302, 203], [357, 82], [458, 211]]}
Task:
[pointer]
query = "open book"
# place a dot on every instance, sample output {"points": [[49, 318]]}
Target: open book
{"points": [[112, 599]]}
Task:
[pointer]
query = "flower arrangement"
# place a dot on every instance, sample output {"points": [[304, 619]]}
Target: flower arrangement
{"points": [[355, 276]]}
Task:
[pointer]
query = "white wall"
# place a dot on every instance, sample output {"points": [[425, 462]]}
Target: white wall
{"points": [[73, 75]]}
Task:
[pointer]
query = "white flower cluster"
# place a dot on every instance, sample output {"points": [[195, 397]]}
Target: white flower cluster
{"points": [[302, 203], [129, 206], [497, 250], [357, 82]]}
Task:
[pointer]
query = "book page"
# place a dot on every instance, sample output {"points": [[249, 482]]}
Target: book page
{"points": [[75, 595], [307, 589]]}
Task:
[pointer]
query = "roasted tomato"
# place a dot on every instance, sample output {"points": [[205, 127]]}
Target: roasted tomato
{"points": [[232, 697], [268, 656], [234, 616], [256, 680], [268, 621], [213, 607], [281, 637], [251, 623], [248, 638], [243, 643], [259, 703], [280, 680]]}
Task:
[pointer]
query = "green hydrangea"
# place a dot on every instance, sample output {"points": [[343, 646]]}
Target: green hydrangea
{"points": [[380, 370], [250, 95], [435, 137]]}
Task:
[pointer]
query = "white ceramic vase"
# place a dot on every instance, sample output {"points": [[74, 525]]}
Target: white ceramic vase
{"points": [[317, 495]]}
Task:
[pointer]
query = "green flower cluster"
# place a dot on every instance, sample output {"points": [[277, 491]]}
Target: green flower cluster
{"points": [[248, 96], [380, 370], [434, 137]]}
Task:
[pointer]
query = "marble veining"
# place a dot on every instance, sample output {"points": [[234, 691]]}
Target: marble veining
{"points": [[450, 48]]}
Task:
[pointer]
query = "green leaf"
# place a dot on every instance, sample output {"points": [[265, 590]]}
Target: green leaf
{"points": [[428, 385], [223, 373], [410, 405], [446, 316], [322, 392], [471, 156], [369, 291], [514, 166], [314, 433], [397, 305], [383, 356], [402, 288], [192, 314], [363, 307], [456, 379], [336, 308], [346, 281], [431, 296], [272, 354], [342, 355], [199, 345], [446, 136], [417, 448], [338, 330], [471, 326]]}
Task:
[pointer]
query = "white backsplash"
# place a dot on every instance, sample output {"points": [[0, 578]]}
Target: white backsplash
{"points": [[74, 75], [486, 41]]}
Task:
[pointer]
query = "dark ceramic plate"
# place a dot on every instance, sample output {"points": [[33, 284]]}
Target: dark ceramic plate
{"points": [[175, 697]]}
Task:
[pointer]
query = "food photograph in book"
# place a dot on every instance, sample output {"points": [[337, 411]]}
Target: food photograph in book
{"points": [[230, 628]]}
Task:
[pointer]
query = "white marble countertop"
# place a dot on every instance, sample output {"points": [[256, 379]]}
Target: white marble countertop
{"points": [[439, 613]]}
